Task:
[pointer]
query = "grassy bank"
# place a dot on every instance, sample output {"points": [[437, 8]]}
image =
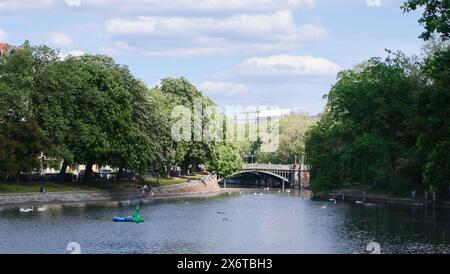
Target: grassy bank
{"points": [[11, 188], [6, 188]]}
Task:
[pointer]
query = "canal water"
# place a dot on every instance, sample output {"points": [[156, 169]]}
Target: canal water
{"points": [[230, 223]]}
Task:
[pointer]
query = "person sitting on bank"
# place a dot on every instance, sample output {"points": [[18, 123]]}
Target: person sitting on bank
{"points": [[146, 188], [42, 189]]}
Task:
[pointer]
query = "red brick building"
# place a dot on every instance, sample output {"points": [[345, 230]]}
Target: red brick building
{"points": [[4, 49]]}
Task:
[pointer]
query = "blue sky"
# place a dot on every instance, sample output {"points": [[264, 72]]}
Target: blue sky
{"points": [[283, 53]]}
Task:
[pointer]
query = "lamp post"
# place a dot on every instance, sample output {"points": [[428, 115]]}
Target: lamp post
{"points": [[252, 156]]}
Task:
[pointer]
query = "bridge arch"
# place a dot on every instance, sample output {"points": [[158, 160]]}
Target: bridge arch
{"points": [[284, 180]]}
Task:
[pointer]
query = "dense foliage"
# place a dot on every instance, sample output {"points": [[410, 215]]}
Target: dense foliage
{"points": [[386, 126], [89, 110], [291, 146], [436, 16]]}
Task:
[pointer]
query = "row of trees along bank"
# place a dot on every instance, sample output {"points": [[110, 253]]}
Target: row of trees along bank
{"points": [[89, 110]]}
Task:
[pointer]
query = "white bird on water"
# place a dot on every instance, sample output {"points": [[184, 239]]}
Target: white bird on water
{"points": [[324, 207], [359, 202], [42, 209], [27, 210]]}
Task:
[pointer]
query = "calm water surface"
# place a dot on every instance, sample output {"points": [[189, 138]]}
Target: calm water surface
{"points": [[238, 223]]}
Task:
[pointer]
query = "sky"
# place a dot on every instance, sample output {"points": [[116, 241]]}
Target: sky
{"points": [[277, 53]]}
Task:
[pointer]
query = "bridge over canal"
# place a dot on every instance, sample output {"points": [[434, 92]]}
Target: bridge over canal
{"points": [[294, 176]]}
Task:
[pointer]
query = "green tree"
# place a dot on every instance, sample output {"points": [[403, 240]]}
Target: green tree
{"points": [[96, 112], [371, 125], [90, 110], [16, 84], [21, 145], [291, 140], [21, 139], [436, 16], [75, 106], [437, 169], [435, 112], [182, 93], [53, 104], [169, 151], [366, 160], [142, 139], [324, 145], [225, 159]]}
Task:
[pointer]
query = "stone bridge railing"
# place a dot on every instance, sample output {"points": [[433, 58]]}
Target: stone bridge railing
{"points": [[270, 167]]}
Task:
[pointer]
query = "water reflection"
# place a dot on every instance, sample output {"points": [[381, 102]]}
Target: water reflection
{"points": [[238, 223]]}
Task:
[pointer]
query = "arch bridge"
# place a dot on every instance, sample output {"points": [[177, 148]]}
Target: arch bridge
{"points": [[295, 175]]}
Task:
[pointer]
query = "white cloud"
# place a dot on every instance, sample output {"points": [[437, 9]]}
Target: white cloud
{"points": [[74, 53], [200, 48], [77, 53], [73, 3], [59, 39], [141, 25], [205, 50], [198, 5], [3, 36], [184, 37], [184, 52], [110, 51], [278, 25], [161, 5], [117, 48], [222, 88], [286, 65], [14, 5]]}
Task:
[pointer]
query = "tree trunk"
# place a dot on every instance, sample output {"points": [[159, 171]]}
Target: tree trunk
{"points": [[184, 169], [168, 169], [194, 168], [62, 171], [119, 174], [88, 173]]}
